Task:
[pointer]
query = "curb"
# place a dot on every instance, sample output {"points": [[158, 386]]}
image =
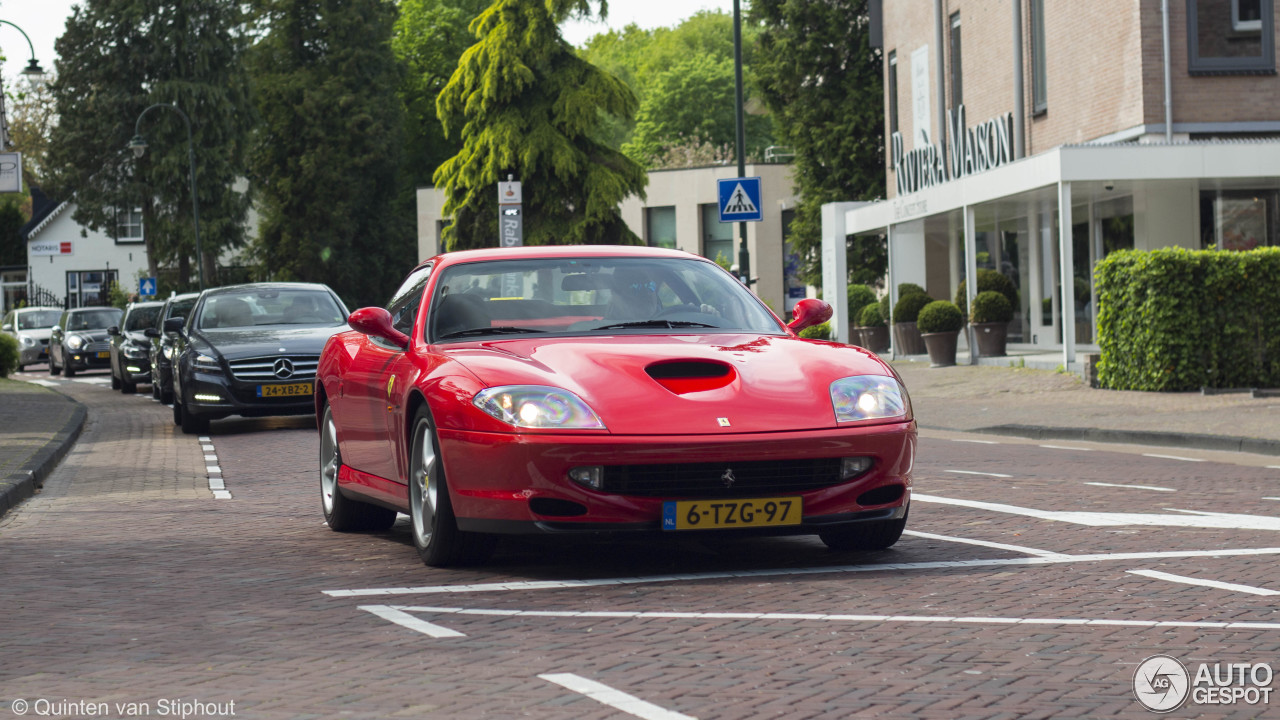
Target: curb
{"points": [[22, 484], [1138, 437]]}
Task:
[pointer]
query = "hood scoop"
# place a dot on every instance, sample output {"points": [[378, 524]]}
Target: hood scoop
{"points": [[689, 376]]}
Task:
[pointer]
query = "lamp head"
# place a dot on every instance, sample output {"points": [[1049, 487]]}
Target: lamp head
{"points": [[138, 145], [33, 71]]}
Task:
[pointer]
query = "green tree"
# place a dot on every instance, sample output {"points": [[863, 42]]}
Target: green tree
{"points": [[12, 249], [31, 121], [118, 57], [822, 80], [525, 105], [325, 158]]}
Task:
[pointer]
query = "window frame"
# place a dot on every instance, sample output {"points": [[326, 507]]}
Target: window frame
{"points": [[1039, 61], [122, 239], [957, 68], [1263, 64], [892, 86]]}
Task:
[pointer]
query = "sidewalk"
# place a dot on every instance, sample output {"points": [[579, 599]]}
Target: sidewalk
{"points": [[38, 426]]}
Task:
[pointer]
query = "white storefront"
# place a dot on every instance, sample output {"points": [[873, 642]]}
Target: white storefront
{"points": [[78, 264]]}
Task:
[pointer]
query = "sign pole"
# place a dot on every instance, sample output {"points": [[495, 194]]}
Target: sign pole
{"points": [[744, 255]]}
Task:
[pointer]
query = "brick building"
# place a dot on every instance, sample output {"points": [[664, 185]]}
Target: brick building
{"points": [[1018, 123]]}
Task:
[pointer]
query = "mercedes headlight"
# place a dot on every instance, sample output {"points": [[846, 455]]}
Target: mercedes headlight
{"points": [[134, 351], [204, 363], [537, 406], [868, 397], [75, 342]]}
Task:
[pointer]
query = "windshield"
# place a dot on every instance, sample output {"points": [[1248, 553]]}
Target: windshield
{"points": [[141, 318], [592, 296], [270, 306], [93, 319], [37, 319]]}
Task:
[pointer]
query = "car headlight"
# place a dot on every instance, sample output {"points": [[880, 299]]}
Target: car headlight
{"points": [[133, 351], [537, 406], [75, 342], [28, 341], [868, 397], [204, 363]]}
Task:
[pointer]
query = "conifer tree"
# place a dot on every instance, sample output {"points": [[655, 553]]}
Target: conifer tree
{"points": [[526, 106], [325, 156]]}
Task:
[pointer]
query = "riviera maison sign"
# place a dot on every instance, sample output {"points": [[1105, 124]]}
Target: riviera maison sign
{"points": [[988, 145]]}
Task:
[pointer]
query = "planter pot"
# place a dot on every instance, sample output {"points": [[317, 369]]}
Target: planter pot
{"points": [[991, 338], [907, 337], [942, 348], [875, 339]]}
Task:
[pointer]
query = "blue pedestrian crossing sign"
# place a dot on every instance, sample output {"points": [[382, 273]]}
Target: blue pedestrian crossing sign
{"points": [[147, 287], [740, 200]]}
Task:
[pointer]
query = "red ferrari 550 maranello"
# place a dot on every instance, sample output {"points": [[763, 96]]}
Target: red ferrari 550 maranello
{"points": [[582, 389]]}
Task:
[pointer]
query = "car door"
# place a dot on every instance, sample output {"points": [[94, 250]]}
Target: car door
{"points": [[372, 385]]}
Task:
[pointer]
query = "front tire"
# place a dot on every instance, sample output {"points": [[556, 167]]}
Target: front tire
{"points": [[128, 388], [191, 423], [342, 513], [875, 535], [115, 380], [435, 529], [68, 371]]}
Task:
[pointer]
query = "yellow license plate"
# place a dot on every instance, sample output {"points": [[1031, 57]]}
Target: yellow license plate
{"points": [[720, 514], [104, 354], [290, 390]]}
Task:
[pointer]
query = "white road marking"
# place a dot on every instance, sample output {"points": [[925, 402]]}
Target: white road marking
{"points": [[975, 472], [983, 543], [524, 586], [404, 619], [1172, 457], [1103, 519], [615, 699], [217, 485], [1204, 583], [980, 442], [43, 383], [1271, 498], [221, 495], [1134, 487], [1067, 447], [1273, 467], [821, 617]]}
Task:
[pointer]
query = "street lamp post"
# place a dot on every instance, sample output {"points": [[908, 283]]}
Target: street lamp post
{"points": [[33, 73], [139, 146]]}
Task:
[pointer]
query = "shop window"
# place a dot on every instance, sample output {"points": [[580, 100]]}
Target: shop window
{"points": [[1231, 37], [660, 226], [1238, 219], [717, 237], [957, 90], [1039, 74], [893, 92], [129, 225]]}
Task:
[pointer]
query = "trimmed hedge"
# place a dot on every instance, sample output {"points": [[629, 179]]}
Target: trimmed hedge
{"points": [[909, 306], [10, 353], [940, 316], [989, 280], [990, 306], [870, 316], [859, 296], [1177, 319], [821, 331]]}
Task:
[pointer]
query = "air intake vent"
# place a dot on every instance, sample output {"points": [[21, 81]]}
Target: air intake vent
{"points": [[688, 376]]}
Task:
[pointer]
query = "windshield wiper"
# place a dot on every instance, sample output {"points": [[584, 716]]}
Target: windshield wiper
{"points": [[654, 323], [500, 330]]}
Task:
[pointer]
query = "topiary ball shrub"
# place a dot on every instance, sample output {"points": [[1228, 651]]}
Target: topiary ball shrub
{"points": [[991, 307], [870, 315], [905, 289], [993, 281], [909, 306], [821, 331], [859, 296], [940, 316], [9, 354]]}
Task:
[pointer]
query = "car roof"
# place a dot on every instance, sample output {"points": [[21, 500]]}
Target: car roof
{"points": [[145, 303], [559, 251], [268, 286], [89, 308], [182, 296], [37, 308]]}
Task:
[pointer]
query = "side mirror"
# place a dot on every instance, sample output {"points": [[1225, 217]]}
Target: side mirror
{"points": [[376, 322], [113, 330], [7, 327], [174, 324], [807, 313], [151, 332], [56, 329]]}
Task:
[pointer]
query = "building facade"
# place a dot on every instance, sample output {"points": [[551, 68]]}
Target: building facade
{"points": [[1054, 133], [681, 211]]}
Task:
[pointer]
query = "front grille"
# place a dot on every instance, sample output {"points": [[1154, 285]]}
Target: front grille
{"points": [[263, 368], [44, 341], [97, 347], [711, 480]]}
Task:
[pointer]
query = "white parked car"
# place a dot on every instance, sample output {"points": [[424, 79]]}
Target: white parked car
{"points": [[31, 326]]}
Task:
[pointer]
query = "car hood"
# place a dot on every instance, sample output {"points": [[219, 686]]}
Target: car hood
{"points": [[90, 335], [137, 336], [36, 333], [773, 383], [234, 344]]}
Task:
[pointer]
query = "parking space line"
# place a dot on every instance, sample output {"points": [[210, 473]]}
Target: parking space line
{"points": [[982, 543], [1172, 457], [827, 617], [975, 472], [1067, 447], [1233, 587], [216, 484], [404, 619], [979, 442], [615, 699], [1133, 487], [42, 383], [1187, 518], [786, 572]]}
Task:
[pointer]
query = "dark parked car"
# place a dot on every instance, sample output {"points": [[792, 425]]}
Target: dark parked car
{"points": [[130, 346], [251, 350], [79, 340], [161, 353], [31, 326]]}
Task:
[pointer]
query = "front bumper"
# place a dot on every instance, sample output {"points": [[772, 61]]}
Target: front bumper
{"points": [[89, 359], [136, 370], [503, 482], [215, 396], [33, 354]]}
